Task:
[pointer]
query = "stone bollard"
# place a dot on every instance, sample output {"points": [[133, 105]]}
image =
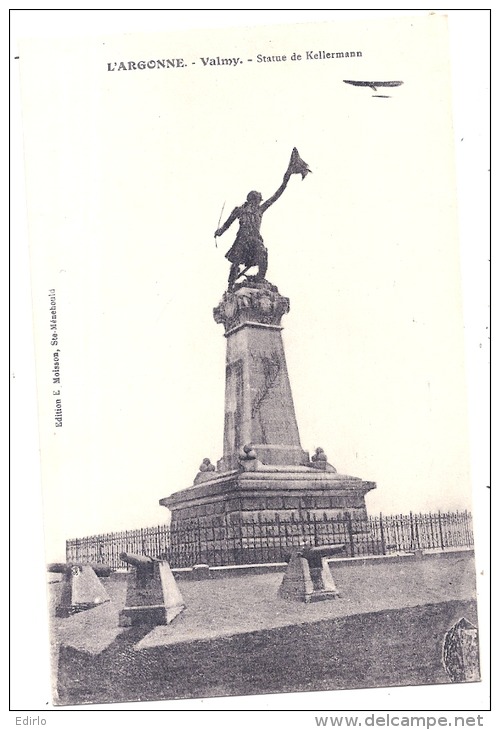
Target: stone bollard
{"points": [[153, 597], [81, 589], [308, 577]]}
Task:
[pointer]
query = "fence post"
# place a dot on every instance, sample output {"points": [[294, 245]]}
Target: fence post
{"points": [[412, 533], [197, 529], [418, 520], [280, 542], [469, 533], [465, 529], [349, 530], [440, 530], [382, 540]]}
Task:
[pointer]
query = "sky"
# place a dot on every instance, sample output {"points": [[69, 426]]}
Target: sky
{"points": [[124, 192]]}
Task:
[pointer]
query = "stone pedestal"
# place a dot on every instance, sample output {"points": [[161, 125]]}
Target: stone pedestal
{"points": [[308, 579], [258, 405], [153, 598], [81, 590], [264, 474]]}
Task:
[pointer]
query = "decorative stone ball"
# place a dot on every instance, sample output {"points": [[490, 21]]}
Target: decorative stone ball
{"points": [[250, 453], [206, 465]]}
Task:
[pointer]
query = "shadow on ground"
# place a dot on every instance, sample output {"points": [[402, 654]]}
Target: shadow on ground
{"points": [[387, 648]]}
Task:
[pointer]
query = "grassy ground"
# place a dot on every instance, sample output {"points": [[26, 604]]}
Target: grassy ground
{"points": [[237, 637]]}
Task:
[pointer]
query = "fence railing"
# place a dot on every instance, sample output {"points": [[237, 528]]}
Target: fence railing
{"points": [[238, 541]]}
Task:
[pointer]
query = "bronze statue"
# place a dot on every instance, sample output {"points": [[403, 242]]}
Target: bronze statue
{"points": [[248, 248]]}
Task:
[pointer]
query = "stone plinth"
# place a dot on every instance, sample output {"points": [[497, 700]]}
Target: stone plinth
{"points": [[81, 590], [153, 598], [308, 577]]}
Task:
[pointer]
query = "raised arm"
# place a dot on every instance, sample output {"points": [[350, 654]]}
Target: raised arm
{"points": [[226, 225], [267, 203], [295, 166]]}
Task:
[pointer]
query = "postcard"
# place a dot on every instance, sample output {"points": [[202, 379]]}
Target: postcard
{"points": [[251, 384]]}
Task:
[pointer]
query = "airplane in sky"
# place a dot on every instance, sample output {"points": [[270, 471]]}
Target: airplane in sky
{"points": [[374, 85]]}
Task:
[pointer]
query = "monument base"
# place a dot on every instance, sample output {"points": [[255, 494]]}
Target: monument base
{"points": [[266, 493]]}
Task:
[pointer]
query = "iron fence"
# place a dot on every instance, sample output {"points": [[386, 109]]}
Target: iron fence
{"points": [[236, 540]]}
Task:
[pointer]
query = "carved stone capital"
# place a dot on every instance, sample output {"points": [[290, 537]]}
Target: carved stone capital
{"points": [[252, 302]]}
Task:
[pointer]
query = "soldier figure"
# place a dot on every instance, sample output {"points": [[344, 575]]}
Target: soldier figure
{"points": [[248, 248]]}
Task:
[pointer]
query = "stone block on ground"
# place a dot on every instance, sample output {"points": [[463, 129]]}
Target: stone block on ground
{"points": [[81, 591]]}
